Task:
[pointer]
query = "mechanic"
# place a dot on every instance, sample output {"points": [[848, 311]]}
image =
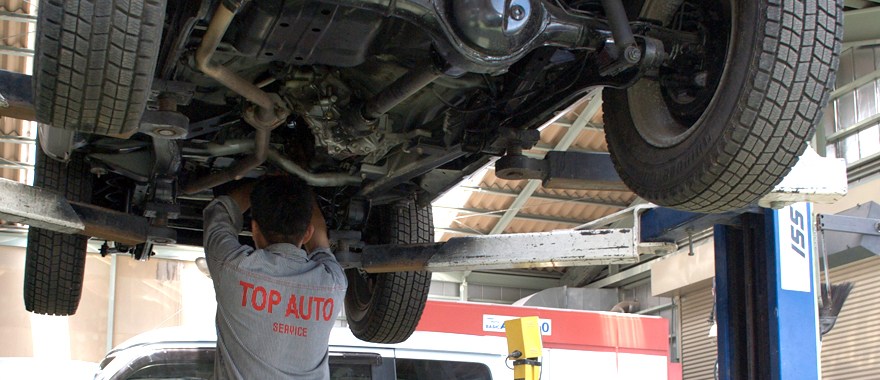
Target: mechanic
{"points": [[276, 304]]}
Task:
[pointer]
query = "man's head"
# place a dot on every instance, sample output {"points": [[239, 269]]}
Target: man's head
{"points": [[281, 207]]}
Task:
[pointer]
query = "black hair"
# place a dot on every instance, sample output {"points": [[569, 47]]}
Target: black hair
{"points": [[282, 207]]}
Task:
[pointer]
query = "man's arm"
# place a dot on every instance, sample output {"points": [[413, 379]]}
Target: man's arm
{"points": [[242, 195], [320, 237], [223, 222], [319, 247]]}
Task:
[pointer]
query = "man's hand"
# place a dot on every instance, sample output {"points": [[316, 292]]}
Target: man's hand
{"points": [[319, 238], [241, 193]]}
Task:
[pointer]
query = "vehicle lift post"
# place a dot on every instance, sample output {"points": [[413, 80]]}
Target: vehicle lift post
{"points": [[766, 304], [767, 307]]}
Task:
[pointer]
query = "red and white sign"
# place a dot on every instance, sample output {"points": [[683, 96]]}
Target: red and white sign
{"points": [[496, 323]]}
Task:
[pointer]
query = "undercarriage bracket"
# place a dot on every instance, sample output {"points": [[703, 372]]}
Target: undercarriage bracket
{"points": [[563, 170], [46, 209]]}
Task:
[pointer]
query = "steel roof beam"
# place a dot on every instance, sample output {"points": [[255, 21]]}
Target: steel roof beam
{"points": [[517, 204], [591, 126], [16, 51], [17, 140], [461, 231], [20, 17], [549, 197], [498, 214], [10, 164], [541, 147]]}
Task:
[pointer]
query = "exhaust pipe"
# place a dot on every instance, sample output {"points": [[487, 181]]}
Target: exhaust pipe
{"points": [[317, 180], [264, 118], [265, 111], [237, 170]]}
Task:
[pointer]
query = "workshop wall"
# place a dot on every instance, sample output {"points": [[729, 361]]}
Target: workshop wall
{"points": [[446, 290], [663, 307], [160, 293], [149, 295], [80, 337]]}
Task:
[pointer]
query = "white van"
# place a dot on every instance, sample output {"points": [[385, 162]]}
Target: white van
{"points": [[186, 353]]}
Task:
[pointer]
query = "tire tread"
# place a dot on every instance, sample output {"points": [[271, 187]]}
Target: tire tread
{"points": [[401, 297], [94, 63], [794, 71], [55, 262]]}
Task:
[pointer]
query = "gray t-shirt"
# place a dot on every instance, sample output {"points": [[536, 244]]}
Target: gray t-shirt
{"points": [[275, 306]]}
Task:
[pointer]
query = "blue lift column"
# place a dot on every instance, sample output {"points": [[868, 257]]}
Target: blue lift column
{"points": [[766, 306]]}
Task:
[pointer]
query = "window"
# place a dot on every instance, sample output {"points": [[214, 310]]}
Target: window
{"points": [[194, 364], [412, 369], [174, 363], [348, 371], [358, 366], [858, 107], [169, 371]]}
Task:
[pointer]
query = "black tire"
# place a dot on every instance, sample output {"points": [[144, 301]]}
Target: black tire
{"points": [[55, 262], [386, 307], [94, 63], [749, 130]]}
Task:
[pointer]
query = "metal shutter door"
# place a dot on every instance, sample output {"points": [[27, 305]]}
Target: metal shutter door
{"points": [[852, 349], [698, 350]]}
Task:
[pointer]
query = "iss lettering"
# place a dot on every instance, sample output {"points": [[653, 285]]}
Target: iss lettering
{"points": [[798, 235]]}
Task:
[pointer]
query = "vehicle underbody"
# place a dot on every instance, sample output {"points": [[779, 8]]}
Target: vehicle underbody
{"points": [[383, 106], [371, 108]]}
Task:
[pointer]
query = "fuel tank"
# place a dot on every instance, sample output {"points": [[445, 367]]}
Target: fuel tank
{"points": [[302, 32]]}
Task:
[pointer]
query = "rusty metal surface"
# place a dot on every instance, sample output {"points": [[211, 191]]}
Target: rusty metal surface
{"points": [[112, 225], [532, 250], [37, 207], [120, 227]]}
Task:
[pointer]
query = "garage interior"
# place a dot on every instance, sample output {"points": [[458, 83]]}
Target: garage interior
{"points": [[123, 297]]}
